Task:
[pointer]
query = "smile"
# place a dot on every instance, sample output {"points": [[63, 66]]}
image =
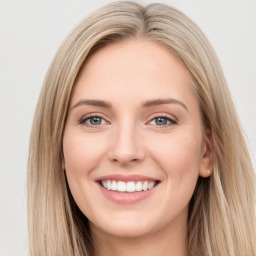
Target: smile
{"points": [[130, 186], [127, 189]]}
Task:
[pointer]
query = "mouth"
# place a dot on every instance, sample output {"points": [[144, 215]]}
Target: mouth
{"points": [[130, 186], [127, 189]]}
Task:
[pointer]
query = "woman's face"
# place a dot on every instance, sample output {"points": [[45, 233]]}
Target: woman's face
{"points": [[133, 142]]}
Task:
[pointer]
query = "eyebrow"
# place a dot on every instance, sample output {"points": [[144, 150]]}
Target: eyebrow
{"points": [[152, 103], [147, 104], [97, 103]]}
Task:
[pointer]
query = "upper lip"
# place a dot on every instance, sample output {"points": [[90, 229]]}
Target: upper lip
{"points": [[125, 178]]}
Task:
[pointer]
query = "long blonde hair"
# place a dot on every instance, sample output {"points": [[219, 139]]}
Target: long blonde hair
{"points": [[221, 214]]}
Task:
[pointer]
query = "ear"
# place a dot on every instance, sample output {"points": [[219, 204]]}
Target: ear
{"points": [[207, 155]]}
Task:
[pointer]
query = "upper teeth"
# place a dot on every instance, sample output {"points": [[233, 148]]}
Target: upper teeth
{"points": [[129, 186]]}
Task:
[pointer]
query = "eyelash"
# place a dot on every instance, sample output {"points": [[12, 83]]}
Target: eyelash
{"points": [[171, 121], [88, 117], [164, 116]]}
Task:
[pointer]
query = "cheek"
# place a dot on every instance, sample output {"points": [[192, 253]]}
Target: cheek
{"points": [[179, 158], [178, 150], [82, 152], [180, 163]]}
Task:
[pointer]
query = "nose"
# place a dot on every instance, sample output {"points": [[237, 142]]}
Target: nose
{"points": [[127, 146]]}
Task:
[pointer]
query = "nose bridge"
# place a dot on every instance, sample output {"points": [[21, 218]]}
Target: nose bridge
{"points": [[127, 145]]}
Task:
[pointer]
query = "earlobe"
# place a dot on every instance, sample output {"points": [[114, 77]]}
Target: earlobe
{"points": [[207, 159]]}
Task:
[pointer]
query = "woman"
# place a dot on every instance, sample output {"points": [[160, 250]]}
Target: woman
{"points": [[131, 148]]}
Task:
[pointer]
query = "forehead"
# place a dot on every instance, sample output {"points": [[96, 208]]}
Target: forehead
{"points": [[132, 69]]}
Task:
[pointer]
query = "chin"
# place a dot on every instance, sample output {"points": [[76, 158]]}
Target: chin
{"points": [[129, 232], [126, 226]]}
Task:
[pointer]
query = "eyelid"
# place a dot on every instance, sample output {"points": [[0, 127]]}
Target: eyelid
{"points": [[87, 116], [172, 119]]}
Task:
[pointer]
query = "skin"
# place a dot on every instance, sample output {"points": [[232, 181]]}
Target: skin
{"points": [[129, 140]]}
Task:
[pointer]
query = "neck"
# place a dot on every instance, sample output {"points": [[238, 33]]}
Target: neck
{"points": [[164, 242]]}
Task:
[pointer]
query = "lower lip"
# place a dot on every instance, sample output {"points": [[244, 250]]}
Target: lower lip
{"points": [[127, 197]]}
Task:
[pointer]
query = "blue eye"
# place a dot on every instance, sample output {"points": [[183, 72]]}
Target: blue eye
{"points": [[162, 121], [93, 121]]}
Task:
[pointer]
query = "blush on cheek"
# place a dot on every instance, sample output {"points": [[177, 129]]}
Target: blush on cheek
{"points": [[81, 152], [179, 157]]}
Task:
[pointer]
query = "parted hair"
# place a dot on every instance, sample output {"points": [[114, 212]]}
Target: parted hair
{"points": [[221, 220]]}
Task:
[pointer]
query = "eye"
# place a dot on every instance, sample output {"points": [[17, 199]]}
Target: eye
{"points": [[93, 121], [162, 121]]}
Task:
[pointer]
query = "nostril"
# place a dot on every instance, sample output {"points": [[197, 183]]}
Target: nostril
{"points": [[125, 157], [126, 148], [125, 160]]}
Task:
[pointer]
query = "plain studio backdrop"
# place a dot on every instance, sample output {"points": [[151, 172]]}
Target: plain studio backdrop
{"points": [[30, 34]]}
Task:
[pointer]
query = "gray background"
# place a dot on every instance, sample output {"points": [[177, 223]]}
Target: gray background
{"points": [[30, 34]]}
